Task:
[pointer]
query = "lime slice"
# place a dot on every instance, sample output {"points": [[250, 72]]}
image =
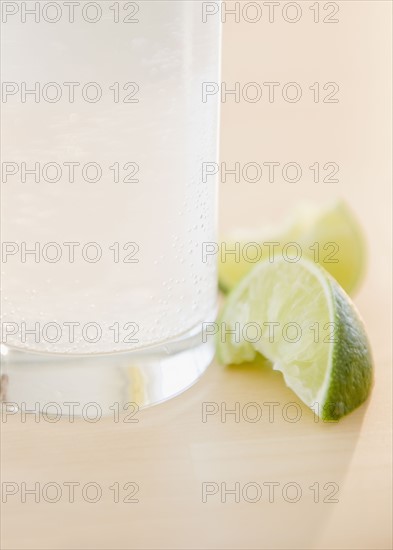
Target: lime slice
{"points": [[331, 237], [299, 318]]}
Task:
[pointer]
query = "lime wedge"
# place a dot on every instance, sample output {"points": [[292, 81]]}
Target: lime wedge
{"points": [[331, 237], [300, 319]]}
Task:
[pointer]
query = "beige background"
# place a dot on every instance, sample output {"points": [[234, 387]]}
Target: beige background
{"points": [[170, 452]]}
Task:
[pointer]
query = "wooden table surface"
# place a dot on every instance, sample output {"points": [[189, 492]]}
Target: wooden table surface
{"points": [[171, 452]]}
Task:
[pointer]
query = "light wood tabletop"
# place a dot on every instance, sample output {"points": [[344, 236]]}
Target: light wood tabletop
{"points": [[160, 483]]}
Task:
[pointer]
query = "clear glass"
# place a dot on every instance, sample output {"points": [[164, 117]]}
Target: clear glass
{"points": [[104, 208]]}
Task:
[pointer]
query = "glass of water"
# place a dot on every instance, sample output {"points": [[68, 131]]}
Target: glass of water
{"points": [[105, 209]]}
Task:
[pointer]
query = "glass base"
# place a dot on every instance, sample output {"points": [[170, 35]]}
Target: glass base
{"points": [[103, 384]]}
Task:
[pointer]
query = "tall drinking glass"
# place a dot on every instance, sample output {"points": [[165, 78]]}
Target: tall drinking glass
{"points": [[105, 210]]}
